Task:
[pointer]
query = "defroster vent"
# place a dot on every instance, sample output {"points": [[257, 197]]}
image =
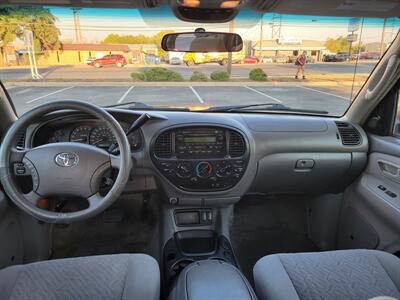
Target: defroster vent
{"points": [[349, 134], [163, 145], [237, 145]]}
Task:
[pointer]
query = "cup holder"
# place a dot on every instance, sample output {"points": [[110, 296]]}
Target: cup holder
{"points": [[177, 268]]}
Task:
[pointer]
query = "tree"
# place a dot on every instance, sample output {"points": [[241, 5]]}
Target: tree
{"points": [[341, 44], [37, 19], [138, 39]]}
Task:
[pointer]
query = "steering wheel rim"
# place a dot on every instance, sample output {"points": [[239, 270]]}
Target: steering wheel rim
{"points": [[10, 155]]}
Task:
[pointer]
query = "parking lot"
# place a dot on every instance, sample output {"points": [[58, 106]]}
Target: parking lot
{"points": [[335, 100]]}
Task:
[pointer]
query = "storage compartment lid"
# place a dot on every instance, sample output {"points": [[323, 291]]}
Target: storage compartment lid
{"points": [[212, 279]]}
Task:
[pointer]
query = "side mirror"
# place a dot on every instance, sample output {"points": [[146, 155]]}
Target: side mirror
{"points": [[202, 42]]}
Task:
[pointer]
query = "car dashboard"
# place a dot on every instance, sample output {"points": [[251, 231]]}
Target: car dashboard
{"points": [[200, 158]]}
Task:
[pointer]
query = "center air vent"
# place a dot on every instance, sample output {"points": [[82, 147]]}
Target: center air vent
{"points": [[349, 134], [237, 145], [163, 145]]}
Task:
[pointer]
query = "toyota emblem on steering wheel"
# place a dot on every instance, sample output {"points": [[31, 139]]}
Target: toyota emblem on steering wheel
{"points": [[66, 159]]}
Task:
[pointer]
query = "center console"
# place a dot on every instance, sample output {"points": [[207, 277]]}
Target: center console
{"points": [[201, 158]]}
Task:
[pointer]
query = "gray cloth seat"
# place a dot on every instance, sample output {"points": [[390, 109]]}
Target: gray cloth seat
{"points": [[108, 277], [344, 274]]}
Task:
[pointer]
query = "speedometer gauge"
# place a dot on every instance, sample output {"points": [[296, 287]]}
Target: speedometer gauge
{"points": [[102, 137], [80, 134]]}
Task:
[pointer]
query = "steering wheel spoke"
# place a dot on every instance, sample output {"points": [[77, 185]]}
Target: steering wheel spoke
{"points": [[32, 197], [95, 200], [115, 161], [17, 155]]}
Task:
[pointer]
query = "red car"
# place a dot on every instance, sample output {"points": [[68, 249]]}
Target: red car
{"points": [[250, 60], [112, 59]]}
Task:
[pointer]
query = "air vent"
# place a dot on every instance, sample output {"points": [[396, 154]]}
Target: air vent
{"points": [[21, 142], [163, 146], [349, 134], [237, 146]]}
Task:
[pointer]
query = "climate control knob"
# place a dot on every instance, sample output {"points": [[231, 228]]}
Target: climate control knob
{"points": [[184, 170], [204, 169]]}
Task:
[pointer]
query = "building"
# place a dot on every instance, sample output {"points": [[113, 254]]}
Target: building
{"points": [[289, 47], [75, 54]]}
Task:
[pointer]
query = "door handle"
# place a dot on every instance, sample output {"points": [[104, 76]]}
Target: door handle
{"points": [[389, 170]]}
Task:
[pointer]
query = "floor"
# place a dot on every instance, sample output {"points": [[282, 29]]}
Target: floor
{"points": [[126, 227], [267, 225]]}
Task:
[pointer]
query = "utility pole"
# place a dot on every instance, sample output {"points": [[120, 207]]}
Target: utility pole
{"points": [[77, 25], [261, 37], [229, 64], [382, 48]]}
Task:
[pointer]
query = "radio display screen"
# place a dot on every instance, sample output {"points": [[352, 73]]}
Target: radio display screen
{"points": [[200, 139]]}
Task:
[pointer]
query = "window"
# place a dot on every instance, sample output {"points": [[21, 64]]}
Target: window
{"points": [[313, 53], [295, 52]]}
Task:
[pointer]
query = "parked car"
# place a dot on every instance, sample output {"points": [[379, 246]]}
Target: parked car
{"points": [[329, 58], [152, 59], [342, 56], [281, 59], [267, 59], [175, 61], [89, 60], [369, 55], [250, 60], [109, 60]]}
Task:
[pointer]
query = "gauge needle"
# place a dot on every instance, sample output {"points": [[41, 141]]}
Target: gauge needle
{"points": [[98, 141], [79, 140]]}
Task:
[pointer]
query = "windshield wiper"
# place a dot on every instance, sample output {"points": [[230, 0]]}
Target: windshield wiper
{"points": [[262, 107], [135, 105]]}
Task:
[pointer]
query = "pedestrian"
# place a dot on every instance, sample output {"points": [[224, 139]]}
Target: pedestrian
{"points": [[300, 63]]}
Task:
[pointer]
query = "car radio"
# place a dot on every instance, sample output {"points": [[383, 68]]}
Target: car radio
{"points": [[201, 158], [200, 143]]}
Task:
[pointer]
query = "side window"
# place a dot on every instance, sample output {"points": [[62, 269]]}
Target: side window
{"points": [[396, 129]]}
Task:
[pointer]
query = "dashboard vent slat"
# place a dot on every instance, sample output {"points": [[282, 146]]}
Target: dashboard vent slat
{"points": [[21, 142], [349, 134], [237, 145], [163, 145]]}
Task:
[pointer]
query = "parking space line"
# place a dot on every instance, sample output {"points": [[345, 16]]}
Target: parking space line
{"points": [[55, 92], [125, 94], [326, 93], [196, 94], [262, 93]]}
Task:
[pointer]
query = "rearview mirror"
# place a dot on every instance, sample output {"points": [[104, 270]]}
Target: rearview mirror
{"points": [[202, 42]]}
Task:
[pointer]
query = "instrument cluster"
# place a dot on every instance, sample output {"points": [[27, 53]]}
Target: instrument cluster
{"points": [[87, 132]]}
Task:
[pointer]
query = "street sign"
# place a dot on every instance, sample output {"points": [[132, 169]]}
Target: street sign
{"points": [[354, 24], [352, 38]]}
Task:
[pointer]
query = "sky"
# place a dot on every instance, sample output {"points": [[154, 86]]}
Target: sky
{"points": [[96, 24]]}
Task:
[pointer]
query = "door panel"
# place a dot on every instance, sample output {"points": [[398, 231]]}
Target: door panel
{"points": [[370, 216]]}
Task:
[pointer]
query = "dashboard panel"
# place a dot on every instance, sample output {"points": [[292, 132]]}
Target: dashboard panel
{"points": [[278, 153], [86, 131]]}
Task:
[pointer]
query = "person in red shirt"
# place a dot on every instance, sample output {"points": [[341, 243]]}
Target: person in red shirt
{"points": [[300, 63]]}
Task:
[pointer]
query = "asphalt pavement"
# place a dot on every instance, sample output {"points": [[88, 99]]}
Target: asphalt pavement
{"points": [[83, 72], [335, 100]]}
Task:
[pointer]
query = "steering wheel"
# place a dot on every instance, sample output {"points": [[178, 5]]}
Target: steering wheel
{"points": [[70, 169]]}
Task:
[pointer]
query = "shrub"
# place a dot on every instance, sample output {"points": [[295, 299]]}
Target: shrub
{"points": [[198, 76], [138, 76], [258, 75], [162, 74], [220, 76]]}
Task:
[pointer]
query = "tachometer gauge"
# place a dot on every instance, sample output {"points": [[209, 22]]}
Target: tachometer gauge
{"points": [[102, 137], [80, 134]]}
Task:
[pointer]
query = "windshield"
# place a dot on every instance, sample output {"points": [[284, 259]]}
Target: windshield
{"points": [[113, 57]]}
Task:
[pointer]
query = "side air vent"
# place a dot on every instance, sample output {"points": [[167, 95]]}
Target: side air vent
{"points": [[349, 134], [237, 145], [21, 142], [163, 145]]}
